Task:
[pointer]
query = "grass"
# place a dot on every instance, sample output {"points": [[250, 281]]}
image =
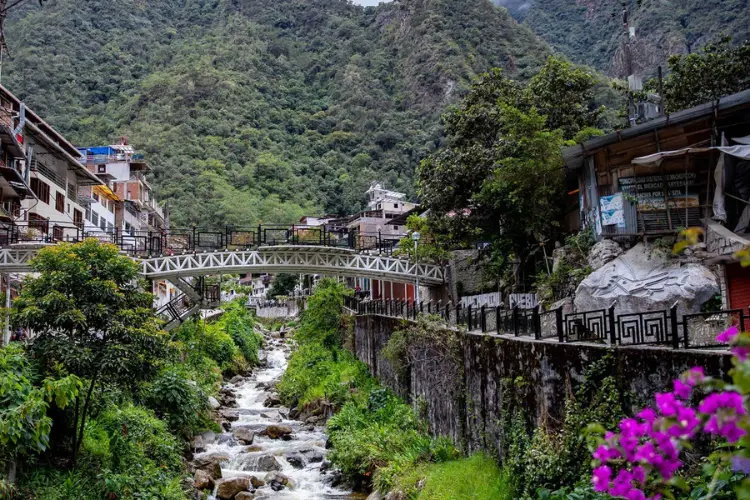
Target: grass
{"points": [[477, 477]]}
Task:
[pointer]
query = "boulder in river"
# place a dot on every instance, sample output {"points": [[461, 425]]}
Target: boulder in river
{"points": [[245, 436], [278, 431], [257, 483], [203, 480], [267, 463], [311, 455], [211, 463], [272, 401], [228, 488], [244, 495], [295, 460], [231, 415], [278, 481], [236, 379], [226, 425], [214, 403]]}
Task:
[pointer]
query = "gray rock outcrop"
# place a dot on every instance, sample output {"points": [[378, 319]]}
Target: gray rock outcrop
{"points": [[640, 280], [602, 253]]}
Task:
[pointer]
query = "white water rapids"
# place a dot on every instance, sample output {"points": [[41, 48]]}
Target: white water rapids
{"points": [[306, 442]]}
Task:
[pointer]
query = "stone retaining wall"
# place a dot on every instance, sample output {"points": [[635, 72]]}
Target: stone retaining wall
{"points": [[496, 366]]}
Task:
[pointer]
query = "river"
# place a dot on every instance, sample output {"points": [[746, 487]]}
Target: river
{"points": [[297, 457]]}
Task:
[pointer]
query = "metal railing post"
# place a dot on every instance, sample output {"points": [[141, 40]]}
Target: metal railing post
{"points": [[497, 319], [560, 324], [612, 326], [537, 320], [483, 319], [514, 318], [673, 322], [469, 317], [194, 243]]}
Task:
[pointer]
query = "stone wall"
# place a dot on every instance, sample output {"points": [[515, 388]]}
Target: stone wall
{"points": [[495, 368]]}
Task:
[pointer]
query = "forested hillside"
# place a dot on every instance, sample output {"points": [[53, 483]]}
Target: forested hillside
{"points": [[255, 110], [590, 31]]}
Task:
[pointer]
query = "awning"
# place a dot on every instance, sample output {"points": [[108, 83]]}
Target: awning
{"points": [[740, 151]]}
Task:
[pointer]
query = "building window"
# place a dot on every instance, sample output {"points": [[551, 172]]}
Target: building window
{"points": [[395, 205], [103, 223], [95, 218], [395, 228], [60, 202], [57, 233], [96, 196], [101, 169], [41, 190], [78, 218]]}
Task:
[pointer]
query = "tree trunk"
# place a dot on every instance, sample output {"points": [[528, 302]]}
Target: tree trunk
{"points": [[78, 434]]}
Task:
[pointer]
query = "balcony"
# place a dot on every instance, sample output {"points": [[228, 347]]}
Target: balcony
{"points": [[37, 166]]}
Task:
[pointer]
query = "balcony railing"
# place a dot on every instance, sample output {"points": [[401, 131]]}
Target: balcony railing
{"points": [[50, 174]]}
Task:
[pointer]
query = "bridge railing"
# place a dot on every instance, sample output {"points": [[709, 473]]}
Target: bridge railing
{"points": [[666, 328], [196, 239]]}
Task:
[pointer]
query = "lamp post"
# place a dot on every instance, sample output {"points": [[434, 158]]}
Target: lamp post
{"points": [[416, 236]]}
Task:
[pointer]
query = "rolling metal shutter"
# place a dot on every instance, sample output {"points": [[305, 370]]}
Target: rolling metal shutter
{"points": [[738, 281]]}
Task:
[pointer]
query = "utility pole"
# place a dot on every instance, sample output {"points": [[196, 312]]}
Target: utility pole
{"points": [[6, 329]]}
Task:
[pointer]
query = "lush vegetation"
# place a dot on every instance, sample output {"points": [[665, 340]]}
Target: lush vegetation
{"points": [[261, 110], [101, 401], [283, 285], [591, 32]]}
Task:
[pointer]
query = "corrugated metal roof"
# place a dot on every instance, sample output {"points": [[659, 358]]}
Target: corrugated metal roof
{"points": [[574, 155]]}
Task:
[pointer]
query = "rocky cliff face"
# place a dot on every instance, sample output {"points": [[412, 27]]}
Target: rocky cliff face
{"points": [[591, 31]]}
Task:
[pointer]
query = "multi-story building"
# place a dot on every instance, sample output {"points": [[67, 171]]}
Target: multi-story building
{"points": [[123, 170], [382, 206], [41, 175]]}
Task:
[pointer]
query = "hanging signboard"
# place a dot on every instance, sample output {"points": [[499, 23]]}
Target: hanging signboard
{"points": [[648, 191]]}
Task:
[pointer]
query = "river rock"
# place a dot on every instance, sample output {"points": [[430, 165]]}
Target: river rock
{"points": [[253, 449], [214, 403], [237, 379], [311, 455], [227, 439], [208, 437], [228, 488], [272, 401], [295, 460], [244, 495], [230, 415], [278, 431], [641, 280], [277, 481], [257, 483], [267, 463], [198, 445], [375, 495], [211, 463], [602, 253], [203, 480], [226, 425], [245, 436]]}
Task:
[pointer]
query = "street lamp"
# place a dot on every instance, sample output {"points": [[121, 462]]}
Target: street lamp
{"points": [[416, 236]]}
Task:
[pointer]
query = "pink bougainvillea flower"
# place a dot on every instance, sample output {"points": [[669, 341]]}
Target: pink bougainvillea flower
{"points": [[667, 403], [601, 477], [728, 335], [694, 376], [682, 390], [741, 353]]}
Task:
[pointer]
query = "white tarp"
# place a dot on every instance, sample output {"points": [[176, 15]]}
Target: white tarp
{"points": [[740, 151], [742, 140], [719, 207]]}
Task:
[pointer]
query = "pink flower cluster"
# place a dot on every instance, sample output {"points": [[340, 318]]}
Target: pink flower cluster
{"points": [[645, 454]]}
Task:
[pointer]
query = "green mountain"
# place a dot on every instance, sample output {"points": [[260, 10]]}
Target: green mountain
{"points": [[253, 110], [592, 31]]}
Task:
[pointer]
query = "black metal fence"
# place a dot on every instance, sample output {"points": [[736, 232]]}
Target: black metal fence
{"points": [[604, 326], [194, 239]]}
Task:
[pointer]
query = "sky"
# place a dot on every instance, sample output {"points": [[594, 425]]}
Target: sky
{"points": [[369, 2]]}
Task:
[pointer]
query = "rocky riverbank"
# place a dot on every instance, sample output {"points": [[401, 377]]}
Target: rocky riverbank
{"points": [[266, 450]]}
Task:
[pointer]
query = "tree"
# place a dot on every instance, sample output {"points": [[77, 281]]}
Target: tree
{"points": [[283, 285], [91, 317], [716, 71], [434, 244], [500, 176]]}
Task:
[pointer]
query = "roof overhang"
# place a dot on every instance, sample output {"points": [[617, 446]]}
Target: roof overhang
{"points": [[573, 156], [11, 181], [85, 178]]}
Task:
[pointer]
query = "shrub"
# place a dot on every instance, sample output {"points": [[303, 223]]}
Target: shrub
{"points": [[178, 400], [381, 436]]}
